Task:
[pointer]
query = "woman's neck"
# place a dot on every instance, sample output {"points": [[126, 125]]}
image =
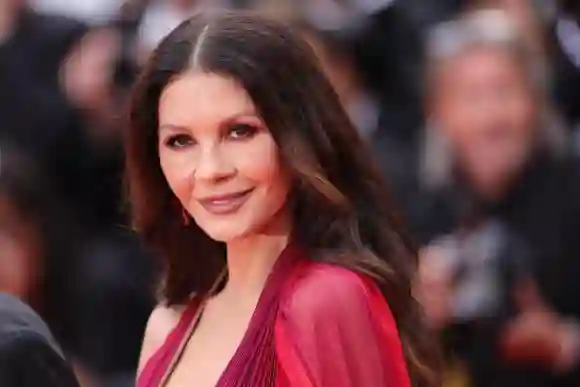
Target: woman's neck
{"points": [[250, 259]]}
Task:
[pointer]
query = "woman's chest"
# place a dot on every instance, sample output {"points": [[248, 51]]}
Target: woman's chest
{"points": [[209, 349]]}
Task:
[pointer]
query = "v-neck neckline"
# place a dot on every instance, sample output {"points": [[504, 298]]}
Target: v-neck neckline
{"points": [[287, 254]]}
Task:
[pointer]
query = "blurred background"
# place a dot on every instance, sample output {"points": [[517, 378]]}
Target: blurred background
{"points": [[472, 107]]}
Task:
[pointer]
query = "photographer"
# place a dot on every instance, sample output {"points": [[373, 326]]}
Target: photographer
{"points": [[505, 191]]}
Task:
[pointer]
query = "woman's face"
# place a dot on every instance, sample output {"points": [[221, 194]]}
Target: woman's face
{"points": [[218, 156], [486, 109]]}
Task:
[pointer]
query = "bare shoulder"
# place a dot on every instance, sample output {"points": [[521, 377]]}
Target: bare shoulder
{"points": [[161, 322], [328, 290]]}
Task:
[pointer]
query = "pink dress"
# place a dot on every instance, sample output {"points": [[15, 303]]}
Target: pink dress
{"points": [[315, 325]]}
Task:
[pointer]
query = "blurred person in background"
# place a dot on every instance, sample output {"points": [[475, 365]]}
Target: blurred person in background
{"points": [[38, 256], [62, 91], [55, 88], [29, 355], [65, 74], [114, 273], [526, 17], [552, 29], [36, 252], [35, 112], [499, 274]]}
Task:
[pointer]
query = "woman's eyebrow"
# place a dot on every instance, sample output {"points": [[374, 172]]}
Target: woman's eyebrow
{"points": [[250, 113]]}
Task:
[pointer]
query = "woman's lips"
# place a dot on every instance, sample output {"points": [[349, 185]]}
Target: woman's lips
{"points": [[225, 204]]}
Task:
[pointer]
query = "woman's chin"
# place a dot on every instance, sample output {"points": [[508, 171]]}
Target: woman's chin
{"points": [[225, 233]]}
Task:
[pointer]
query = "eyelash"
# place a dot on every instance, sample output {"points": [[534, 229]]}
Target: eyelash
{"points": [[244, 132], [172, 141], [247, 131]]}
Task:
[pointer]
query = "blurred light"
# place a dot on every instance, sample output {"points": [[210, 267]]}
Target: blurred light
{"points": [[90, 11]]}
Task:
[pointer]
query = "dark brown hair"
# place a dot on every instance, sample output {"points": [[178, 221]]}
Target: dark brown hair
{"points": [[341, 210]]}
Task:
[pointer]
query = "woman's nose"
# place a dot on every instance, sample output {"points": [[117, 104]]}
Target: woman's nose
{"points": [[213, 165]]}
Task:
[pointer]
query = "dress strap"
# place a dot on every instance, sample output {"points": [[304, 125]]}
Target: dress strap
{"points": [[160, 363], [179, 338]]}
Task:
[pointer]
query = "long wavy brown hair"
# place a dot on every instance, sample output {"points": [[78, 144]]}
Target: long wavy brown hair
{"points": [[342, 212]]}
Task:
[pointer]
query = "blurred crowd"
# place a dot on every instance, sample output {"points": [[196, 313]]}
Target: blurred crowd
{"points": [[472, 107]]}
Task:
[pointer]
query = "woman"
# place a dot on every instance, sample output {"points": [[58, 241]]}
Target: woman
{"points": [[502, 282], [250, 181]]}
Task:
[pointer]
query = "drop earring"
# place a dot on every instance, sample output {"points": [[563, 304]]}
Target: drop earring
{"points": [[185, 217]]}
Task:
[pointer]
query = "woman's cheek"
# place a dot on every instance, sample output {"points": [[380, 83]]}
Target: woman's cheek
{"points": [[178, 168], [256, 160]]}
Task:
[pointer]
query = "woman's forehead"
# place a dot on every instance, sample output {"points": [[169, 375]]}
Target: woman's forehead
{"points": [[200, 97]]}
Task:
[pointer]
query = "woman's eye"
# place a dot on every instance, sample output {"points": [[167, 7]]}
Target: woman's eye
{"points": [[179, 141], [242, 131]]}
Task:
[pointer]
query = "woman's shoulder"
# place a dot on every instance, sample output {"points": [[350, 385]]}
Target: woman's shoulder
{"points": [[322, 289], [162, 321]]}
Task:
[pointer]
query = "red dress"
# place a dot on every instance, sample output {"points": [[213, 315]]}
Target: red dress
{"points": [[315, 325]]}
